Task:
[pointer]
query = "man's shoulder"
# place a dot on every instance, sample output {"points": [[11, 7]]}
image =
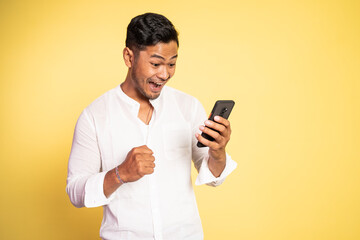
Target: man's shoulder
{"points": [[179, 95], [100, 104], [187, 105]]}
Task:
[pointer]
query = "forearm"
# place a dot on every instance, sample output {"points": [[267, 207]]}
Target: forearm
{"points": [[111, 183], [217, 166]]}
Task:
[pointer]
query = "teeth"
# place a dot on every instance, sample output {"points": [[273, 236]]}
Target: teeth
{"points": [[158, 84]]}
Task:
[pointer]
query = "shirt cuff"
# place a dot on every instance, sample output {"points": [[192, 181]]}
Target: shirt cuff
{"points": [[206, 177], [94, 191]]}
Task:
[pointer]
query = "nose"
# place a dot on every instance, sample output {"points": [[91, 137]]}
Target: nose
{"points": [[163, 73]]}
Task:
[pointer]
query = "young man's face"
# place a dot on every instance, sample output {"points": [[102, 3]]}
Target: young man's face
{"points": [[153, 67]]}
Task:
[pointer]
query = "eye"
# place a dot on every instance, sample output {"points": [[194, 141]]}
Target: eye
{"points": [[155, 64], [172, 64]]}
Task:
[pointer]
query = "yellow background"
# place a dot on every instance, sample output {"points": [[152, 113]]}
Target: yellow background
{"points": [[293, 68]]}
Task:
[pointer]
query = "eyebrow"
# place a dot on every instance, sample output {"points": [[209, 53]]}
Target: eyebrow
{"points": [[158, 56]]}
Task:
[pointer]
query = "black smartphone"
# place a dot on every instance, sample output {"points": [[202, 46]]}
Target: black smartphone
{"points": [[221, 108]]}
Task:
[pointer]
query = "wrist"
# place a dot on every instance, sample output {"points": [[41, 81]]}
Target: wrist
{"points": [[216, 162], [120, 177], [218, 157], [217, 166]]}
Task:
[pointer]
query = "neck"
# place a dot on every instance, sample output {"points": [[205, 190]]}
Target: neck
{"points": [[130, 90], [145, 111]]}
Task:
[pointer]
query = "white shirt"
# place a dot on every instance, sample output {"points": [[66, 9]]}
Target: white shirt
{"points": [[157, 206]]}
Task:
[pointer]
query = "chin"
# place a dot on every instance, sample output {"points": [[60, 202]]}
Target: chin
{"points": [[153, 96], [150, 95]]}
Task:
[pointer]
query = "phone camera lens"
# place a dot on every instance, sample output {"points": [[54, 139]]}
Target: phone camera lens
{"points": [[223, 111]]}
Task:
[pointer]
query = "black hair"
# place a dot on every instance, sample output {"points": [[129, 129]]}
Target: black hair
{"points": [[149, 29]]}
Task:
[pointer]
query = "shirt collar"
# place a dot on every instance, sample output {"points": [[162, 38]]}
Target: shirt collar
{"points": [[134, 104], [126, 98], [156, 102]]}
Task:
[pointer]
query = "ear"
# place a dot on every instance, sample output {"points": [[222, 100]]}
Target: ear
{"points": [[128, 55]]}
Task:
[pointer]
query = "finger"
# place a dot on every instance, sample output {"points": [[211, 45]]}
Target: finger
{"points": [[212, 133], [150, 165], [150, 158], [147, 165], [144, 166], [143, 158], [216, 126], [222, 121], [148, 169], [208, 143], [145, 149]]}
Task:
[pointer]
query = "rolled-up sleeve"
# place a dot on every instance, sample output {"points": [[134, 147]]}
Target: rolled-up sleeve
{"points": [[94, 191], [85, 181], [206, 177]]}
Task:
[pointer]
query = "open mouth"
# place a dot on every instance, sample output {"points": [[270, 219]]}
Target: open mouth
{"points": [[156, 86]]}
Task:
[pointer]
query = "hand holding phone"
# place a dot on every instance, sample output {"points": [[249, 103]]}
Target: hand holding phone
{"points": [[221, 108]]}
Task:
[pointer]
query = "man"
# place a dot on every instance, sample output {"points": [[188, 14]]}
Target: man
{"points": [[133, 146]]}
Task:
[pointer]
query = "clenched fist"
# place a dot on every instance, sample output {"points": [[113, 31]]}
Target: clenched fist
{"points": [[139, 162]]}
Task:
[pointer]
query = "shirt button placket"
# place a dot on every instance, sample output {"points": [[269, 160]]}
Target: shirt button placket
{"points": [[154, 200], [155, 209]]}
